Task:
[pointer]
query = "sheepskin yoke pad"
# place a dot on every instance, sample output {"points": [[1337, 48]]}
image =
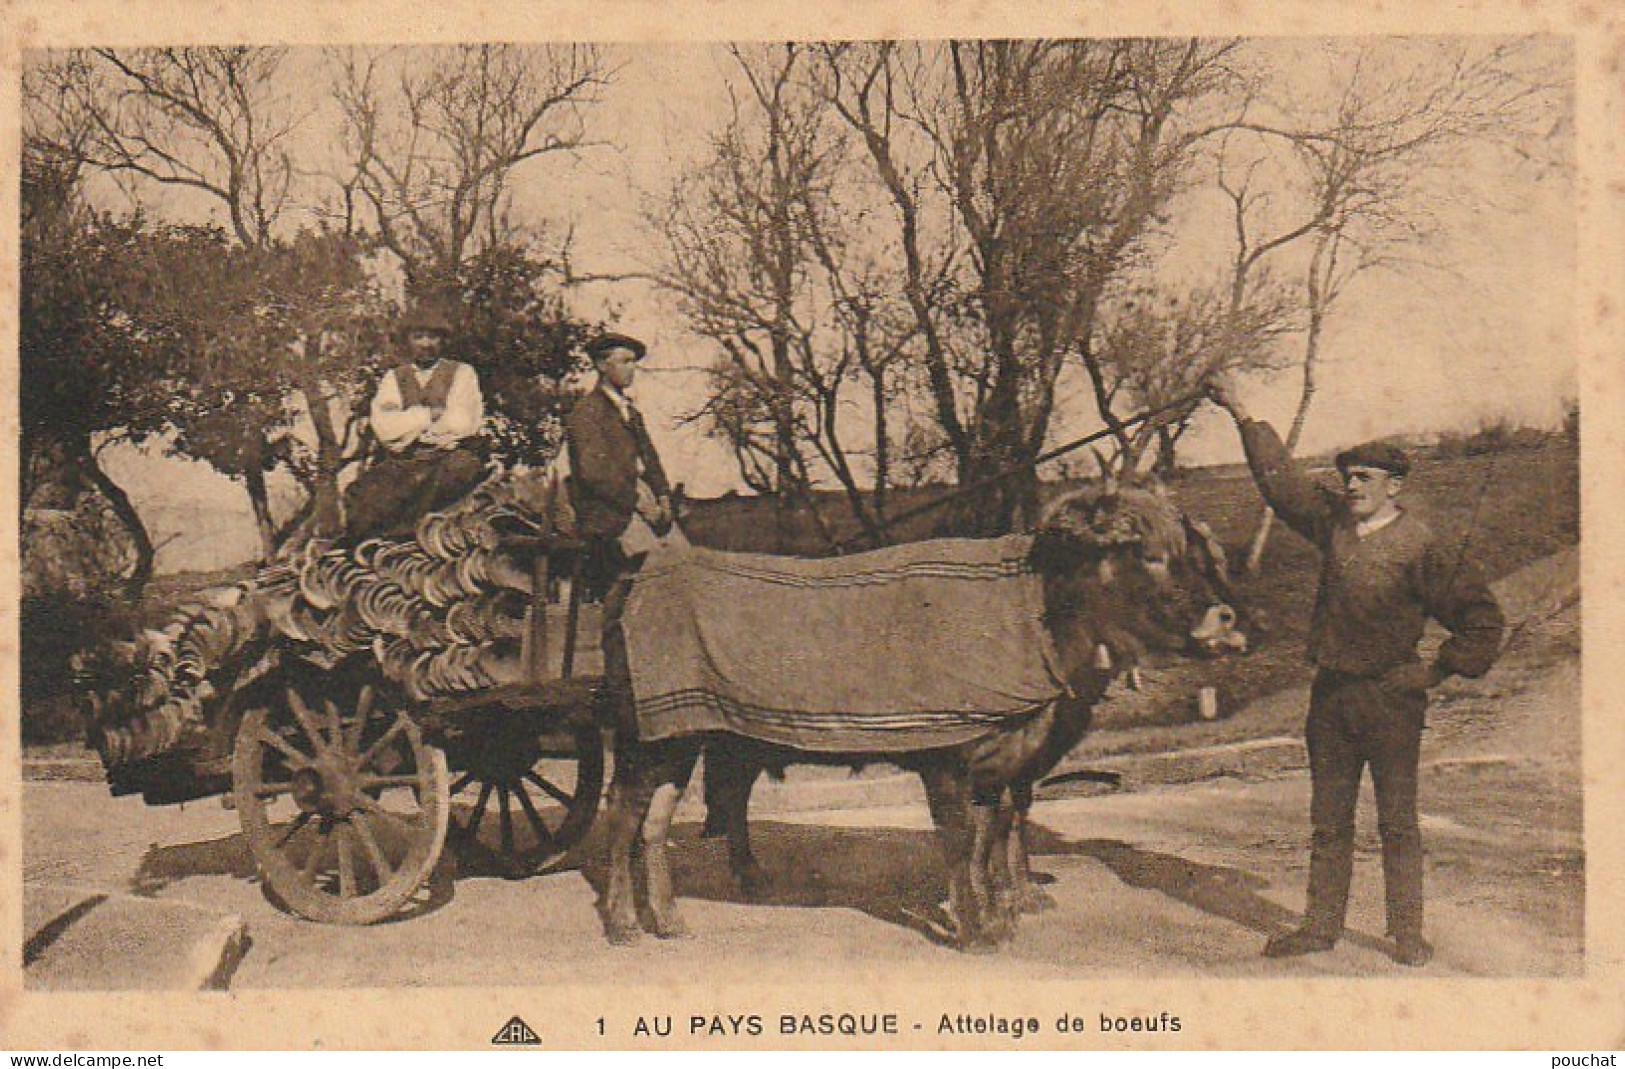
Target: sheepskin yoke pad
{"points": [[905, 648]]}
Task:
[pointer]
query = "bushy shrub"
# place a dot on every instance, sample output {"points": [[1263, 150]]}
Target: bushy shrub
{"points": [[72, 560], [55, 627]]}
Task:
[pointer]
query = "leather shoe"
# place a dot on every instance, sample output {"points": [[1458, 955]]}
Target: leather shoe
{"points": [[1412, 950], [1298, 942]]}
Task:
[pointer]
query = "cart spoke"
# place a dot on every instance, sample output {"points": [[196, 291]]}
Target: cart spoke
{"points": [[369, 844], [293, 829], [334, 723], [267, 791], [472, 830], [282, 746], [403, 780], [544, 834], [307, 720], [557, 793], [462, 782], [400, 724], [506, 816], [358, 726], [318, 850], [405, 825], [347, 887]]}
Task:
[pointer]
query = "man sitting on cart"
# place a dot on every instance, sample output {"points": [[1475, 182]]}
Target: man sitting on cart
{"points": [[426, 414], [612, 459]]}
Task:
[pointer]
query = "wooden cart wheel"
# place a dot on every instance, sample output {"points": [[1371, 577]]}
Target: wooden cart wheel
{"points": [[344, 807], [527, 798]]}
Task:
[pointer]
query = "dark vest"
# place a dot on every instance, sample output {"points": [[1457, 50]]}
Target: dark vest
{"points": [[432, 393]]}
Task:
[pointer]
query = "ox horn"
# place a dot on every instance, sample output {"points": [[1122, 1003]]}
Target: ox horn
{"points": [[1055, 508], [1108, 478], [1103, 657]]}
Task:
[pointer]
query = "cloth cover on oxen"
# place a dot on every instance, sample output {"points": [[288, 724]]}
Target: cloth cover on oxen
{"points": [[905, 648]]}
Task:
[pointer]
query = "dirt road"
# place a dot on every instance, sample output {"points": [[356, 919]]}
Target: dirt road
{"points": [[1174, 880]]}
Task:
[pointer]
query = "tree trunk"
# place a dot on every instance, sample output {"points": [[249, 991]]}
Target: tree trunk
{"points": [[135, 584], [882, 444], [1166, 462], [260, 501], [327, 515]]}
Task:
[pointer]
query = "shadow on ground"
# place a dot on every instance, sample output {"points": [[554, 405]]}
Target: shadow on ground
{"points": [[894, 875]]}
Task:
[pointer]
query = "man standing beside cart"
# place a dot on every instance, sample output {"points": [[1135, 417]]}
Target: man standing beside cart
{"points": [[616, 475]]}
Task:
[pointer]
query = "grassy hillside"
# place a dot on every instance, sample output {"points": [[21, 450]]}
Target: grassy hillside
{"points": [[1509, 509]]}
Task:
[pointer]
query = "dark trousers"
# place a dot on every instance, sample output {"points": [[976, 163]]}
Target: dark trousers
{"points": [[398, 489], [602, 565], [1354, 722]]}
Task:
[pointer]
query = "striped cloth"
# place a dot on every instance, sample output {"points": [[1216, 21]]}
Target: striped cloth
{"points": [[906, 648]]}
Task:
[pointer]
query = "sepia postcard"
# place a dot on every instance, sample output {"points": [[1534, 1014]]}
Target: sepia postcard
{"points": [[844, 526]]}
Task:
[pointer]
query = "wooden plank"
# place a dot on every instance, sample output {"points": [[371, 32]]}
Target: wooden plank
{"points": [[535, 652], [542, 695]]}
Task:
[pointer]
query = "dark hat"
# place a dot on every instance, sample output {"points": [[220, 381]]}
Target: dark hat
{"points": [[604, 344], [1381, 455], [427, 316]]}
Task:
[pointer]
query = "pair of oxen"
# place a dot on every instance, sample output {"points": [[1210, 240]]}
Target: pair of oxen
{"points": [[1126, 579]]}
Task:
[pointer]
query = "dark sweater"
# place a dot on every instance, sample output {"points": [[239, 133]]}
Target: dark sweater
{"points": [[1377, 592]]}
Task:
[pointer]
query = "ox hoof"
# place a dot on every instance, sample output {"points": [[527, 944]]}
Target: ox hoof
{"points": [[671, 928], [1034, 900], [979, 944], [753, 882], [622, 935], [1004, 919]]}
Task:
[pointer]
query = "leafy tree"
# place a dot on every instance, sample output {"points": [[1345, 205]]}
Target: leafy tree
{"points": [[85, 378], [254, 332], [518, 332]]}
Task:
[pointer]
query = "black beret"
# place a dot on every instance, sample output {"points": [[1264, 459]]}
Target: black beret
{"points": [[1381, 455], [605, 344]]}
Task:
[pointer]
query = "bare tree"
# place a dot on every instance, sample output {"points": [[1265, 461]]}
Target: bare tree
{"points": [[1023, 178], [1157, 348], [762, 250], [212, 119], [434, 137], [1369, 172]]}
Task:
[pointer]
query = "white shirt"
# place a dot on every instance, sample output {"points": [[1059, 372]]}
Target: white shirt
{"points": [[1365, 528], [622, 403], [398, 427]]}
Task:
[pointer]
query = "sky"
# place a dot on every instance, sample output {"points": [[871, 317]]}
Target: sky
{"points": [[1484, 333]]}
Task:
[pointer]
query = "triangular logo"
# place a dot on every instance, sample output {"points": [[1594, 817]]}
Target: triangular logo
{"points": [[516, 1033]]}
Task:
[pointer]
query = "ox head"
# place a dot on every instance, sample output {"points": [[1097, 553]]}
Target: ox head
{"points": [[1129, 580]]}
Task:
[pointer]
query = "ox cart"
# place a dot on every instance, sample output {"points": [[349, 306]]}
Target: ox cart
{"points": [[349, 790]]}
